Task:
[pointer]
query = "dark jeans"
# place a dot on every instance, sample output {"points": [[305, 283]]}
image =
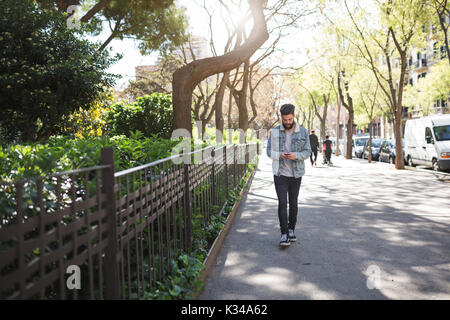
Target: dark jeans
{"points": [[327, 156], [313, 151], [287, 186]]}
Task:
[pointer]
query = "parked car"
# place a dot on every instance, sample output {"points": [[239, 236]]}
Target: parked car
{"points": [[427, 141], [358, 145], [376, 145], [387, 151]]}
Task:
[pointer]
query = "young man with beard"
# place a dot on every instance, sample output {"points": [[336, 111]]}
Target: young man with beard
{"points": [[288, 146]]}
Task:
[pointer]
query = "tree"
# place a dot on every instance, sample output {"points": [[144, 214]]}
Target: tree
{"points": [[47, 71], [365, 90], [400, 30], [158, 25], [347, 101], [159, 80], [340, 58], [318, 83], [186, 78], [291, 13]]}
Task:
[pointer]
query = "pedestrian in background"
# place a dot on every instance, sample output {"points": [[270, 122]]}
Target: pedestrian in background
{"points": [[314, 142], [288, 146], [327, 149]]}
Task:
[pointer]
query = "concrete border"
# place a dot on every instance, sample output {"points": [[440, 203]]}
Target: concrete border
{"points": [[217, 244]]}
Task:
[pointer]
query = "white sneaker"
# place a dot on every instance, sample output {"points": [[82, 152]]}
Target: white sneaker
{"points": [[284, 241], [291, 236]]}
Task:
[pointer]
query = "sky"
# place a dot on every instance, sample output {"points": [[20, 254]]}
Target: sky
{"points": [[198, 25]]}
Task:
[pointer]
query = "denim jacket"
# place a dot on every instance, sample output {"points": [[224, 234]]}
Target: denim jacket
{"points": [[300, 147]]}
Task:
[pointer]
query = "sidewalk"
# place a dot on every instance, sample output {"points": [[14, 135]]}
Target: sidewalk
{"points": [[340, 235]]}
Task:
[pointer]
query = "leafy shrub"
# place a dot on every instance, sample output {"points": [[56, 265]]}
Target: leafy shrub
{"points": [[150, 114], [63, 154], [90, 122], [47, 71]]}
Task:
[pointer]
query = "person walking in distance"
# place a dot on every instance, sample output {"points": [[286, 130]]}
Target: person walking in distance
{"points": [[327, 148], [288, 146], [314, 142]]}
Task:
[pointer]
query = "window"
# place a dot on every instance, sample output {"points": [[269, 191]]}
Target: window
{"points": [[442, 133], [376, 143], [428, 134]]}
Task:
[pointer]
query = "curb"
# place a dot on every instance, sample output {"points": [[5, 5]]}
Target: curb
{"points": [[406, 167], [217, 244], [444, 174]]}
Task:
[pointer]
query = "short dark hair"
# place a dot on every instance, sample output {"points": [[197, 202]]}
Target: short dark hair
{"points": [[327, 137], [287, 109], [312, 131]]}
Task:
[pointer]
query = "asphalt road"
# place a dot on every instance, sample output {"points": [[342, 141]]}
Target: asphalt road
{"points": [[365, 231]]}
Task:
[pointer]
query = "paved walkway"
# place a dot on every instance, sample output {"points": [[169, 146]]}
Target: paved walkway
{"points": [[360, 226]]}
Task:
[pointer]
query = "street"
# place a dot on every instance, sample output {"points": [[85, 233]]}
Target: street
{"points": [[365, 231]]}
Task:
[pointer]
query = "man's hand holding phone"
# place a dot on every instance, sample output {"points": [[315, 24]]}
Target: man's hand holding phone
{"points": [[288, 155]]}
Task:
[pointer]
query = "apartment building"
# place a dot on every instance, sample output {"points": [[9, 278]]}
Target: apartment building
{"points": [[421, 63]]}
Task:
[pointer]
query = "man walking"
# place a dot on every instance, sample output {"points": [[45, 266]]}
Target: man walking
{"points": [[314, 142], [288, 146], [328, 149]]}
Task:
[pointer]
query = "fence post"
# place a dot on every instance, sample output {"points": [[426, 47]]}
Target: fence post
{"points": [[213, 177], [188, 210], [111, 251], [247, 156], [226, 172], [234, 166]]}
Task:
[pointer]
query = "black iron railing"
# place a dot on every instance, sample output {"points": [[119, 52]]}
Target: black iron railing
{"points": [[58, 227]]}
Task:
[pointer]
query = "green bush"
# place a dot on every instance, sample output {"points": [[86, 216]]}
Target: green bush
{"points": [[63, 154], [150, 114], [47, 71]]}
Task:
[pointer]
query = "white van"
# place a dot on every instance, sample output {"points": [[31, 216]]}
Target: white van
{"points": [[427, 141]]}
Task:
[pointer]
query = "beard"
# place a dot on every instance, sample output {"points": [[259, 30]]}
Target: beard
{"points": [[288, 126]]}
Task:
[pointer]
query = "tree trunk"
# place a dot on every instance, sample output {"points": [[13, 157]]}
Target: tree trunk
{"points": [[399, 163], [338, 126], [230, 108], [369, 155], [350, 121], [323, 119], [218, 102], [187, 77], [349, 106], [242, 103]]}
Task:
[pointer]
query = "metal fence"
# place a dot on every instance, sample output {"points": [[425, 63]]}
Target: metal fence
{"points": [[56, 231]]}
